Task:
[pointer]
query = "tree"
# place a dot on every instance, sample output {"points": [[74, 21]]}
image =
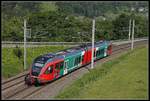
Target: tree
{"points": [[47, 6], [103, 29], [12, 29], [17, 52], [56, 23], [141, 26], [120, 27]]}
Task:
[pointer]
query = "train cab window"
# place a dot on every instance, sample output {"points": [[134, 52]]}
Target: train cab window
{"points": [[49, 69]]}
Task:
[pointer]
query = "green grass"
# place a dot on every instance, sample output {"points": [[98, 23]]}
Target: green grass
{"points": [[11, 65], [123, 78]]}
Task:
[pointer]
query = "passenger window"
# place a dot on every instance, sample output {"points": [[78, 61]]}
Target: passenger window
{"points": [[57, 66], [61, 65], [79, 59], [102, 51], [49, 69], [97, 53], [75, 61]]}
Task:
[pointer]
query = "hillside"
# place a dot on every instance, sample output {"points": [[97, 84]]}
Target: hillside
{"points": [[72, 21], [122, 78]]}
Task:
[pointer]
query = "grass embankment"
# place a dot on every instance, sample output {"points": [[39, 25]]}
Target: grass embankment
{"points": [[12, 65], [123, 78]]}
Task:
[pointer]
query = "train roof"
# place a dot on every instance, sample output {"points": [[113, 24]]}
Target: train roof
{"points": [[67, 52], [44, 58], [80, 48], [70, 51], [101, 43]]}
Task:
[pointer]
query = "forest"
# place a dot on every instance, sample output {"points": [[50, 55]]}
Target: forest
{"points": [[72, 21]]}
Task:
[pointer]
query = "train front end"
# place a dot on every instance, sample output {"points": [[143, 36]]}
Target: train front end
{"points": [[34, 75]]}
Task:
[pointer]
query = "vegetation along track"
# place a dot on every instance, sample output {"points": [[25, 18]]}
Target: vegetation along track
{"points": [[16, 89]]}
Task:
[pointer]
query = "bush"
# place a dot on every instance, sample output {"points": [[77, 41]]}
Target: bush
{"points": [[17, 52]]}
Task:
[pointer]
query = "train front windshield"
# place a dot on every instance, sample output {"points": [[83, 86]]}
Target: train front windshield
{"points": [[38, 64]]}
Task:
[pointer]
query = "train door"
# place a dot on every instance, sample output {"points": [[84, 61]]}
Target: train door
{"points": [[66, 66], [49, 73], [105, 51], [61, 68], [58, 69], [83, 58], [95, 53], [102, 52], [89, 53]]}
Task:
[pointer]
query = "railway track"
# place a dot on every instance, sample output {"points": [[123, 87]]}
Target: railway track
{"points": [[14, 80], [16, 89]]}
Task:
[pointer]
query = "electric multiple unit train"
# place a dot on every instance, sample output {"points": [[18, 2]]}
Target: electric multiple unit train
{"points": [[51, 66]]}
